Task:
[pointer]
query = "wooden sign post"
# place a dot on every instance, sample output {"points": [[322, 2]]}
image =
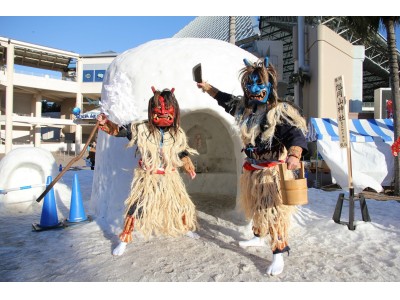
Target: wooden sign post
{"points": [[343, 128], [344, 142]]}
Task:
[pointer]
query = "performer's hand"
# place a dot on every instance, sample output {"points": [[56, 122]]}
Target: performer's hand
{"points": [[106, 125], [192, 174], [102, 118], [292, 163], [189, 167], [207, 88]]}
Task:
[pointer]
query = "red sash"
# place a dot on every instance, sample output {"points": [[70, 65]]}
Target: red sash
{"points": [[160, 171], [260, 166]]}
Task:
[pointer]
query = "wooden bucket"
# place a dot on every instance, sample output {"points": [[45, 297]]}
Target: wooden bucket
{"points": [[294, 191]]}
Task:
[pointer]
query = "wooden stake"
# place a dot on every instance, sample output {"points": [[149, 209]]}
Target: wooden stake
{"points": [[76, 158], [343, 129]]}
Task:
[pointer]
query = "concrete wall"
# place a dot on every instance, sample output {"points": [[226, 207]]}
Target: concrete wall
{"points": [[22, 104], [45, 83], [330, 56]]}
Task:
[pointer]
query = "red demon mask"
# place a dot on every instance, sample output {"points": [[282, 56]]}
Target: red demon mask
{"points": [[162, 112], [163, 116]]}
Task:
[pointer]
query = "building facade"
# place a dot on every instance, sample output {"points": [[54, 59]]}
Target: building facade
{"points": [[31, 74]]}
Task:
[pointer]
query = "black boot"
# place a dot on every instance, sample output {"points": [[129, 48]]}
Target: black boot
{"points": [[286, 249]]}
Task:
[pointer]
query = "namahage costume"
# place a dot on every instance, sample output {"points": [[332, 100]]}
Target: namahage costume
{"points": [[271, 130], [260, 188], [158, 202]]}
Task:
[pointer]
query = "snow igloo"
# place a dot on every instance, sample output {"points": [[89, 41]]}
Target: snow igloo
{"points": [[168, 63], [24, 172]]}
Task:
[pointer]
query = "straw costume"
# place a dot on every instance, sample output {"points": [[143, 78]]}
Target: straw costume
{"points": [[158, 203], [272, 132]]}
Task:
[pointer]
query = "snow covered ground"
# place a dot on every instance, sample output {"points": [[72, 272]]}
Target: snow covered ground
{"points": [[322, 251]]}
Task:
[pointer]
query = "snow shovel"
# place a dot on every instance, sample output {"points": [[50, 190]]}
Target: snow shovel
{"points": [[76, 158]]}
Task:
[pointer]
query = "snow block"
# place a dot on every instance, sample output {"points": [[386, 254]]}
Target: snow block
{"points": [[28, 166]]}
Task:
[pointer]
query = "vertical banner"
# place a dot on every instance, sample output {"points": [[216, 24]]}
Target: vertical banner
{"points": [[342, 112], [342, 119]]}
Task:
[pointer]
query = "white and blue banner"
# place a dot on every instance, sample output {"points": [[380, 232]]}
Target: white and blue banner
{"points": [[361, 130], [371, 157]]}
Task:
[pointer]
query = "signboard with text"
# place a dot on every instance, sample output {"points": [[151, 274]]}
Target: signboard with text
{"points": [[343, 127], [342, 112]]}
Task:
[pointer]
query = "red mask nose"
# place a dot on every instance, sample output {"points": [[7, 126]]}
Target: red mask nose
{"points": [[162, 103]]}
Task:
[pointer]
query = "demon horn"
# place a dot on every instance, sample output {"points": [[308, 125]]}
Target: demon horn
{"points": [[153, 89], [246, 62], [172, 90], [266, 60]]}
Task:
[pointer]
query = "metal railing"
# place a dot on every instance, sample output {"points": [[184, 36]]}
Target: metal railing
{"points": [[43, 75]]}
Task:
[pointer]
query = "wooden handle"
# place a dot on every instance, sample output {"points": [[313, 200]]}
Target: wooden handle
{"points": [[302, 174], [76, 158], [283, 169]]}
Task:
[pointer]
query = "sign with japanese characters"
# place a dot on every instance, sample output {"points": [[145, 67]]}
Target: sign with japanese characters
{"points": [[342, 112]]}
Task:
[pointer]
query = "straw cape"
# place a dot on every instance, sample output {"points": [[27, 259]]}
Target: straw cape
{"points": [[163, 206]]}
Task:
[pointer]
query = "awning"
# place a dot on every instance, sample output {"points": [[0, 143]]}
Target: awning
{"points": [[371, 157], [361, 130], [37, 56]]}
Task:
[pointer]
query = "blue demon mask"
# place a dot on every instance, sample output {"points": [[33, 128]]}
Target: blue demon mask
{"points": [[256, 87], [256, 90]]}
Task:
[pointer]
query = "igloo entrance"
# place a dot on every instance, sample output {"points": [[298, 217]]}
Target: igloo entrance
{"points": [[216, 163]]}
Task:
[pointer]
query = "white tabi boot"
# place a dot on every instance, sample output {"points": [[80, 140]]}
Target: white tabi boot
{"points": [[192, 235], [276, 267], [120, 249], [254, 242]]}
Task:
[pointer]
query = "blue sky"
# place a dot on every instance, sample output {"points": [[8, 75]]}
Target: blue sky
{"points": [[91, 34], [95, 34]]}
